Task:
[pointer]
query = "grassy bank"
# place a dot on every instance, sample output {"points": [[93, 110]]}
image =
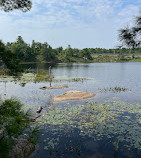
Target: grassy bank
{"points": [[116, 58]]}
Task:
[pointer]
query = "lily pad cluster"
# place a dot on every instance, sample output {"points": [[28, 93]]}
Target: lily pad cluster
{"points": [[112, 120]]}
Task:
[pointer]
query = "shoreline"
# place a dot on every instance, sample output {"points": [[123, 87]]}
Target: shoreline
{"points": [[24, 63]]}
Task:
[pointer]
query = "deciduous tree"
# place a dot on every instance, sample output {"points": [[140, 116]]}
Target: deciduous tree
{"points": [[6, 56], [9, 5]]}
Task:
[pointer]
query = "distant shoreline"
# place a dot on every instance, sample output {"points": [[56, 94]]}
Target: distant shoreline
{"points": [[104, 60]]}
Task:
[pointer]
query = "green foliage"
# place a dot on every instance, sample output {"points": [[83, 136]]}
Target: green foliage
{"points": [[12, 117], [131, 36], [43, 52], [43, 76], [121, 57], [34, 135], [5, 146], [114, 89], [3, 73], [10, 60], [47, 52], [13, 121], [9, 5], [21, 49], [86, 54]]}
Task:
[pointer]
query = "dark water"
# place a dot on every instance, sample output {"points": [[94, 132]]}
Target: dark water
{"points": [[66, 141]]}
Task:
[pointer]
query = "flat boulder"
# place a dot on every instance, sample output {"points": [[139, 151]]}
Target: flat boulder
{"points": [[73, 95], [55, 87]]}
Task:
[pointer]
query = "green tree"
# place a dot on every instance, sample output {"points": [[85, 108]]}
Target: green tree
{"points": [[131, 36], [47, 52], [22, 49], [68, 51], [36, 50], [10, 59], [59, 50], [9, 5], [85, 54]]}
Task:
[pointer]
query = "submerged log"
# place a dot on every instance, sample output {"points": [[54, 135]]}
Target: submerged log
{"points": [[39, 109], [35, 118], [55, 87]]}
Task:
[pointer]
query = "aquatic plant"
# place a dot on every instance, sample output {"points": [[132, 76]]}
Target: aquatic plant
{"points": [[114, 89], [44, 76], [109, 120], [77, 79]]}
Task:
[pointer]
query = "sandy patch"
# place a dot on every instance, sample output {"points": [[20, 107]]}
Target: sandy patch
{"points": [[73, 95]]}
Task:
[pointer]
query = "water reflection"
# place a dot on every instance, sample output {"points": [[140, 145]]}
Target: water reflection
{"points": [[73, 141]]}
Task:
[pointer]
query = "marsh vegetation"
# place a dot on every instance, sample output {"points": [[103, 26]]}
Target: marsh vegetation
{"points": [[114, 90]]}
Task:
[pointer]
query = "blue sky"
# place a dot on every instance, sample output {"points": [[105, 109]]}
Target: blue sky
{"points": [[80, 23]]}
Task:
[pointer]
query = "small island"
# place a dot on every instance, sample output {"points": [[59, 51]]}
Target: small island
{"points": [[73, 95]]}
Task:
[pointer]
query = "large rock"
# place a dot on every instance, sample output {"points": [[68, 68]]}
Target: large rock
{"points": [[73, 95], [22, 149]]}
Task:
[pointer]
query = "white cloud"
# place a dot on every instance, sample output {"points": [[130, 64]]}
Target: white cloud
{"points": [[127, 14], [82, 23]]}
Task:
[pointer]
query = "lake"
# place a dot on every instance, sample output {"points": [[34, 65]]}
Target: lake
{"points": [[105, 126]]}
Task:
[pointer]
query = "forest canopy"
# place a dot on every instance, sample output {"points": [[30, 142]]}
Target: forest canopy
{"points": [[9, 5], [43, 52], [9, 59]]}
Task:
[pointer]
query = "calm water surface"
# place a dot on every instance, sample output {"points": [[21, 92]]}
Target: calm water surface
{"points": [[68, 141]]}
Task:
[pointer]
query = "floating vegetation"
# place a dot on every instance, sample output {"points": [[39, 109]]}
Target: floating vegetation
{"points": [[39, 77], [2, 73], [110, 120], [54, 87], [22, 84], [28, 77], [24, 78], [43, 76], [5, 73], [114, 90], [78, 79]]}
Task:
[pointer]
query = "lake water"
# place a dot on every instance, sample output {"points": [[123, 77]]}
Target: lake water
{"points": [[74, 129]]}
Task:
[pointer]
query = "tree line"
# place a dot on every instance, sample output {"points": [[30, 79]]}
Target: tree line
{"points": [[43, 52], [13, 53]]}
